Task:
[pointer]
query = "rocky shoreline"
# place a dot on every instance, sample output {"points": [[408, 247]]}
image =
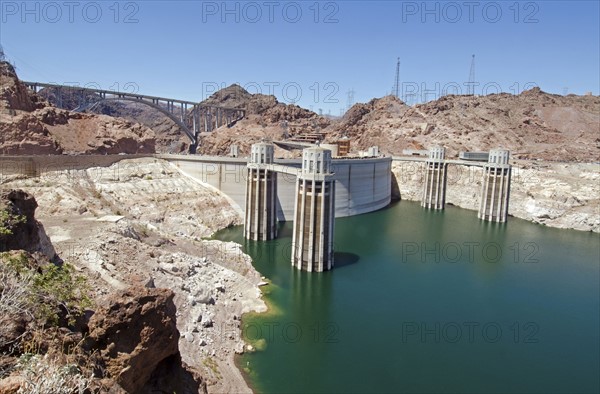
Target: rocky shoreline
{"points": [[142, 223], [561, 195]]}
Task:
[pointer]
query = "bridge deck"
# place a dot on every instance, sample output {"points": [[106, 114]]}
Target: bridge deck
{"points": [[126, 94], [190, 121]]}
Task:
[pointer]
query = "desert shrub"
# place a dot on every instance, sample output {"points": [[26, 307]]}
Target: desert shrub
{"points": [[43, 292], [8, 220], [58, 288], [42, 375], [15, 296]]}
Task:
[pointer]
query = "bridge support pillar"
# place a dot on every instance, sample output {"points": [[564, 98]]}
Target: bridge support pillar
{"points": [[495, 190], [208, 120], [260, 222], [434, 189], [314, 215]]}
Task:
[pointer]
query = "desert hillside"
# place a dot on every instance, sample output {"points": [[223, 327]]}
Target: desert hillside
{"points": [[266, 118], [169, 138], [533, 125], [31, 125]]}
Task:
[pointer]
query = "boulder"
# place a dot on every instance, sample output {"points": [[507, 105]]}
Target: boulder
{"points": [[134, 333], [24, 231]]}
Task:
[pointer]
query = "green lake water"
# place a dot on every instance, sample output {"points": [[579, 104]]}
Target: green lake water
{"points": [[429, 302]]}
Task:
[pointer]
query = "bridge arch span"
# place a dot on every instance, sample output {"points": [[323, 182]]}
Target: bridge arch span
{"points": [[202, 116], [177, 121]]}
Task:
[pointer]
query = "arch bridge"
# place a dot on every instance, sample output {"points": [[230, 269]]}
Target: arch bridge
{"points": [[191, 117]]}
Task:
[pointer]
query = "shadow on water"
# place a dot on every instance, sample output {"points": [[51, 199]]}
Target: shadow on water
{"points": [[343, 259], [284, 231]]}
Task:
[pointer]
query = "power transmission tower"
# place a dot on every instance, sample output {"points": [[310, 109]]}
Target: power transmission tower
{"points": [[471, 85], [350, 99], [284, 127], [396, 90]]}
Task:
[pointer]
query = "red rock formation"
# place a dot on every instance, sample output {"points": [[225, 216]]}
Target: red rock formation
{"points": [[137, 339], [533, 124], [133, 341], [29, 125]]}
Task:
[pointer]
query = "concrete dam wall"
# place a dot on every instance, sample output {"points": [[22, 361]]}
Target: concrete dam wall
{"points": [[362, 185]]}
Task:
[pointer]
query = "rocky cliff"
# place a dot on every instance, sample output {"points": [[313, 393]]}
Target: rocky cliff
{"points": [[264, 119], [30, 125], [563, 195], [21, 230], [169, 138], [135, 336], [49, 343], [143, 223], [533, 125]]}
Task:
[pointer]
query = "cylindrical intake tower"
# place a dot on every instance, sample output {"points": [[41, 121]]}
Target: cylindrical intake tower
{"points": [[495, 190], [314, 215], [434, 189], [261, 195]]}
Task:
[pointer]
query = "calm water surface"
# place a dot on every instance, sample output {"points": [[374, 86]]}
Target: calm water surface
{"points": [[423, 301]]}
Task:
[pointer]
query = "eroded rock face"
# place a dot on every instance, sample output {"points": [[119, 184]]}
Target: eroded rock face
{"points": [[533, 125], [172, 375], [264, 116], [135, 332], [30, 125], [562, 195], [14, 95], [159, 240], [133, 341], [24, 231]]}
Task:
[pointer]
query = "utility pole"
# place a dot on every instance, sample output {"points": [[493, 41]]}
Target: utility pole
{"points": [[350, 99], [471, 85]]}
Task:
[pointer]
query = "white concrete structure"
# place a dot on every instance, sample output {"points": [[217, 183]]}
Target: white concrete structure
{"points": [[434, 188], [260, 215], [373, 151], [332, 147], [314, 216], [362, 184], [495, 192]]}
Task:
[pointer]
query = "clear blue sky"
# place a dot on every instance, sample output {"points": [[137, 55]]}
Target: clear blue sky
{"points": [[312, 52]]}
